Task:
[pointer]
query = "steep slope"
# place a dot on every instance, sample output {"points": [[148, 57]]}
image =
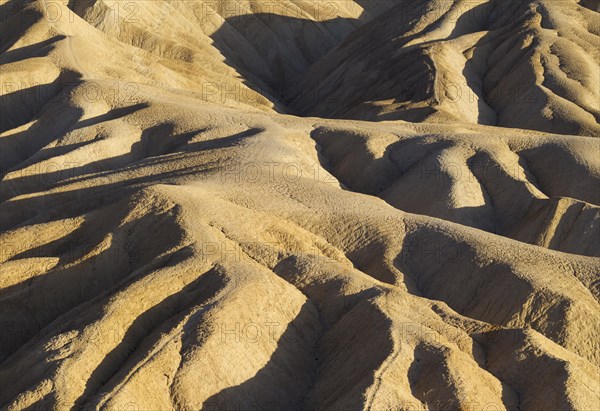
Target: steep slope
{"points": [[268, 43], [219, 243], [508, 185], [525, 64], [164, 247]]}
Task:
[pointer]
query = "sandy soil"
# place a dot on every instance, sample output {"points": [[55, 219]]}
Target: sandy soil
{"points": [[348, 205]]}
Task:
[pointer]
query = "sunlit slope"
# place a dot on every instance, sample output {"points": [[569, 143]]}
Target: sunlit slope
{"points": [[169, 246], [523, 64], [212, 239]]}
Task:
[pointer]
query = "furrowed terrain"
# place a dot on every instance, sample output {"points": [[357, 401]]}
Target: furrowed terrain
{"points": [[178, 232]]}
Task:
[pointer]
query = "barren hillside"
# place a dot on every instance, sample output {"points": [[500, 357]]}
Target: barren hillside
{"points": [[256, 205]]}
